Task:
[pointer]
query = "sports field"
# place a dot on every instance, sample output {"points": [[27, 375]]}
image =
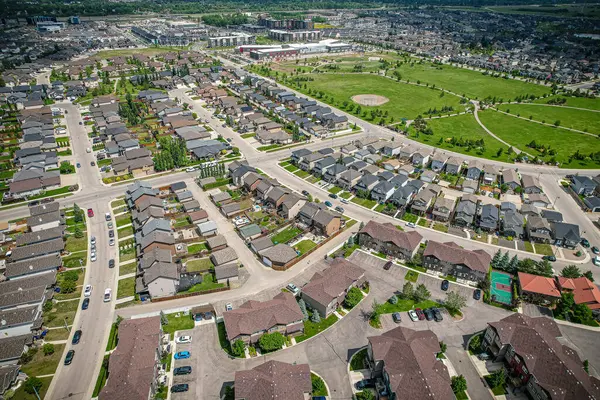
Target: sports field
{"points": [[587, 121], [520, 133], [500, 288], [406, 101]]}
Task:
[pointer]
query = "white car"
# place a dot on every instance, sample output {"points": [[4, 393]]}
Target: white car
{"points": [[190, 169], [183, 339], [107, 295], [93, 257], [88, 150], [293, 288], [413, 315], [344, 201], [228, 307], [93, 240], [411, 224], [111, 242], [87, 292]]}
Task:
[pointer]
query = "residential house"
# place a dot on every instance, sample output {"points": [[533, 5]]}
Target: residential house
{"points": [[512, 224], [227, 273], [511, 179], [453, 165], [538, 229], [274, 380], [531, 184], [421, 157], [592, 203], [382, 191], [451, 259], [389, 240], [438, 161], [474, 170], [565, 235], [583, 185], [291, 206], [348, 179], [470, 186], [466, 210], [366, 183], [223, 256], [490, 174], [422, 201], [279, 256], [442, 209]]}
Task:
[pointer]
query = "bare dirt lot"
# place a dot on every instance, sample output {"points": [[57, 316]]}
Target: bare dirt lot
{"points": [[370, 99]]}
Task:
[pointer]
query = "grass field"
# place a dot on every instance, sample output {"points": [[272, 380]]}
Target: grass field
{"points": [[126, 288], [148, 51], [126, 269], [405, 101], [461, 126], [580, 102], [177, 323], [199, 264], [587, 121], [44, 365], [305, 246], [21, 394], [286, 235], [520, 133], [473, 84]]}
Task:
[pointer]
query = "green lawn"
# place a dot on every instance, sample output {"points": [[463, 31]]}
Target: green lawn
{"points": [[569, 118], [440, 227], [248, 135], [528, 246], [75, 260], [543, 248], [125, 269], [123, 219], [200, 264], [52, 192], [126, 256], [225, 345], [124, 232], [286, 235], [454, 132], [76, 244], [56, 334], [405, 101], [499, 390], [408, 217], [379, 208], [519, 133], [412, 276], [126, 287], [44, 365], [579, 102], [291, 168], [319, 388], [345, 195], [305, 246], [358, 360], [180, 323], [311, 328], [364, 202], [301, 174], [21, 394], [60, 312], [117, 203], [405, 305], [197, 247], [208, 283], [473, 84], [335, 190]]}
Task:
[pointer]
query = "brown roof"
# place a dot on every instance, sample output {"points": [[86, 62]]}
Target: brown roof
{"points": [[198, 215], [538, 284], [389, 233], [131, 365], [273, 380], [254, 316], [409, 360], [329, 284], [477, 260], [556, 367]]}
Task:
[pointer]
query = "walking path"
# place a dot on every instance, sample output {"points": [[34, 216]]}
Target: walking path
{"points": [[547, 124], [475, 113]]}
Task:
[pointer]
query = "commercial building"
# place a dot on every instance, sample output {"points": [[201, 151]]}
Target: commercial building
{"points": [[235, 39]]}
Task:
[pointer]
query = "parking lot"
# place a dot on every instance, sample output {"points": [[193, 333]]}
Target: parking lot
{"points": [[191, 378]]}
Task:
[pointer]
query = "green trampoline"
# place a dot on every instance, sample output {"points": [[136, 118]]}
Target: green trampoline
{"points": [[500, 288]]}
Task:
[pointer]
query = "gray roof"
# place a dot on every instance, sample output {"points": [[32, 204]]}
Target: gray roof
{"points": [[44, 208], [157, 236], [250, 230], [156, 224], [38, 249], [33, 265], [566, 231], [156, 255], [21, 297], [280, 253], [12, 347], [207, 226], [222, 196], [161, 270], [40, 236], [262, 243], [42, 219], [8, 374], [224, 256], [226, 271], [19, 316]]}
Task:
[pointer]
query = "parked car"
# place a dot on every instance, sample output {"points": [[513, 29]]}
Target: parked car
{"points": [[445, 285], [477, 294], [180, 387], [182, 355], [111, 263], [90, 212], [549, 258], [78, 165], [305, 193], [585, 242], [92, 163], [413, 315], [396, 317], [76, 337], [107, 216], [110, 225], [411, 224], [111, 242], [387, 265], [333, 195], [69, 357], [85, 304], [107, 295], [87, 292], [208, 315], [228, 307], [93, 257], [484, 356], [328, 204], [345, 201], [595, 250], [437, 314], [93, 240], [182, 370], [365, 383], [428, 314], [420, 313], [183, 339], [293, 288], [339, 209], [111, 233]]}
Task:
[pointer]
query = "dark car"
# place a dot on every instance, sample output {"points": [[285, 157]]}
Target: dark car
{"points": [[76, 337], [339, 209], [549, 258], [328, 204], [365, 383], [182, 370], [305, 193], [78, 165], [396, 317], [182, 387], [595, 250], [80, 123], [477, 294], [585, 242], [85, 304], [437, 314], [387, 265], [34, 203], [69, 357], [333, 195], [429, 314], [208, 315], [445, 285], [420, 314], [111, 263], [93, 164], [111, 234]]}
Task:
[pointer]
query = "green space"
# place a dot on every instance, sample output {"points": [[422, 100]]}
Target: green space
{"points": [[544, 249], [129, 268], [177, 323], [459, 134], [528, 246], [579, 102], [117, 203], [113, 337], [440, 227], [412, 276], [208, 283], [345, 195], [335, 190], [247, 135], [379, 208], [318, 386], [587, 121], [148, 51], [405, 101], [126, 256], [358, 360], [61, 312], [102, 376], [305, 246], [104, 162], [565, 143], [291, 168], [269, 147], [74, 244], [497, 390], [302, 174], [126, 287], [312, 328], [199, 264], [75, 260], [405, 305], [53, 192], [196, 247], [42, 364], [225, 345], [123, 219], [408, 217], [364, 202], [124, 232], [467, 82], [57, 334], [21, 394], [286, 235]]}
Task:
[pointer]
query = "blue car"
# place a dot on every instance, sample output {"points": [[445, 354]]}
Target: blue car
{"points": [[182, 355], [328, 204]]}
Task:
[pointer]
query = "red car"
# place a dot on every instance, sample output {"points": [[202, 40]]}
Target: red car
{"points": [[420, 313], [90, 212]]}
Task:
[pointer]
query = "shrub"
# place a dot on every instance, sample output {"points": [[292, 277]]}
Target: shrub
{"points": [[271, 341], [393, 300], [353, 297], [33, 385], [238, 348], [315, 317], [459, 384], [48, 306], [48, 349]]}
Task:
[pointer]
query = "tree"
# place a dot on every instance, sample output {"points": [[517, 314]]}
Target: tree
{"points": [[421, 293], [455, 301], [315, 317], [271, 341], [588, 274], [393, 300], [408, 290], [571, 271], [459, 384], [565, 305], [496, 259], [586, 366], [504, 261], [443, 347], [164, 320], [78, 213], [353, 297], [68, 286], [78, 233], [33, 385], [375, 314], [238, 348], [497, 378], [365, 395], [513, 265], [302, 306], [48, 305], [48, 349]]}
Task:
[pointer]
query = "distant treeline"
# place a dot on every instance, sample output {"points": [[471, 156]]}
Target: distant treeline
{"points": [[225, 19], [61, 8]]}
